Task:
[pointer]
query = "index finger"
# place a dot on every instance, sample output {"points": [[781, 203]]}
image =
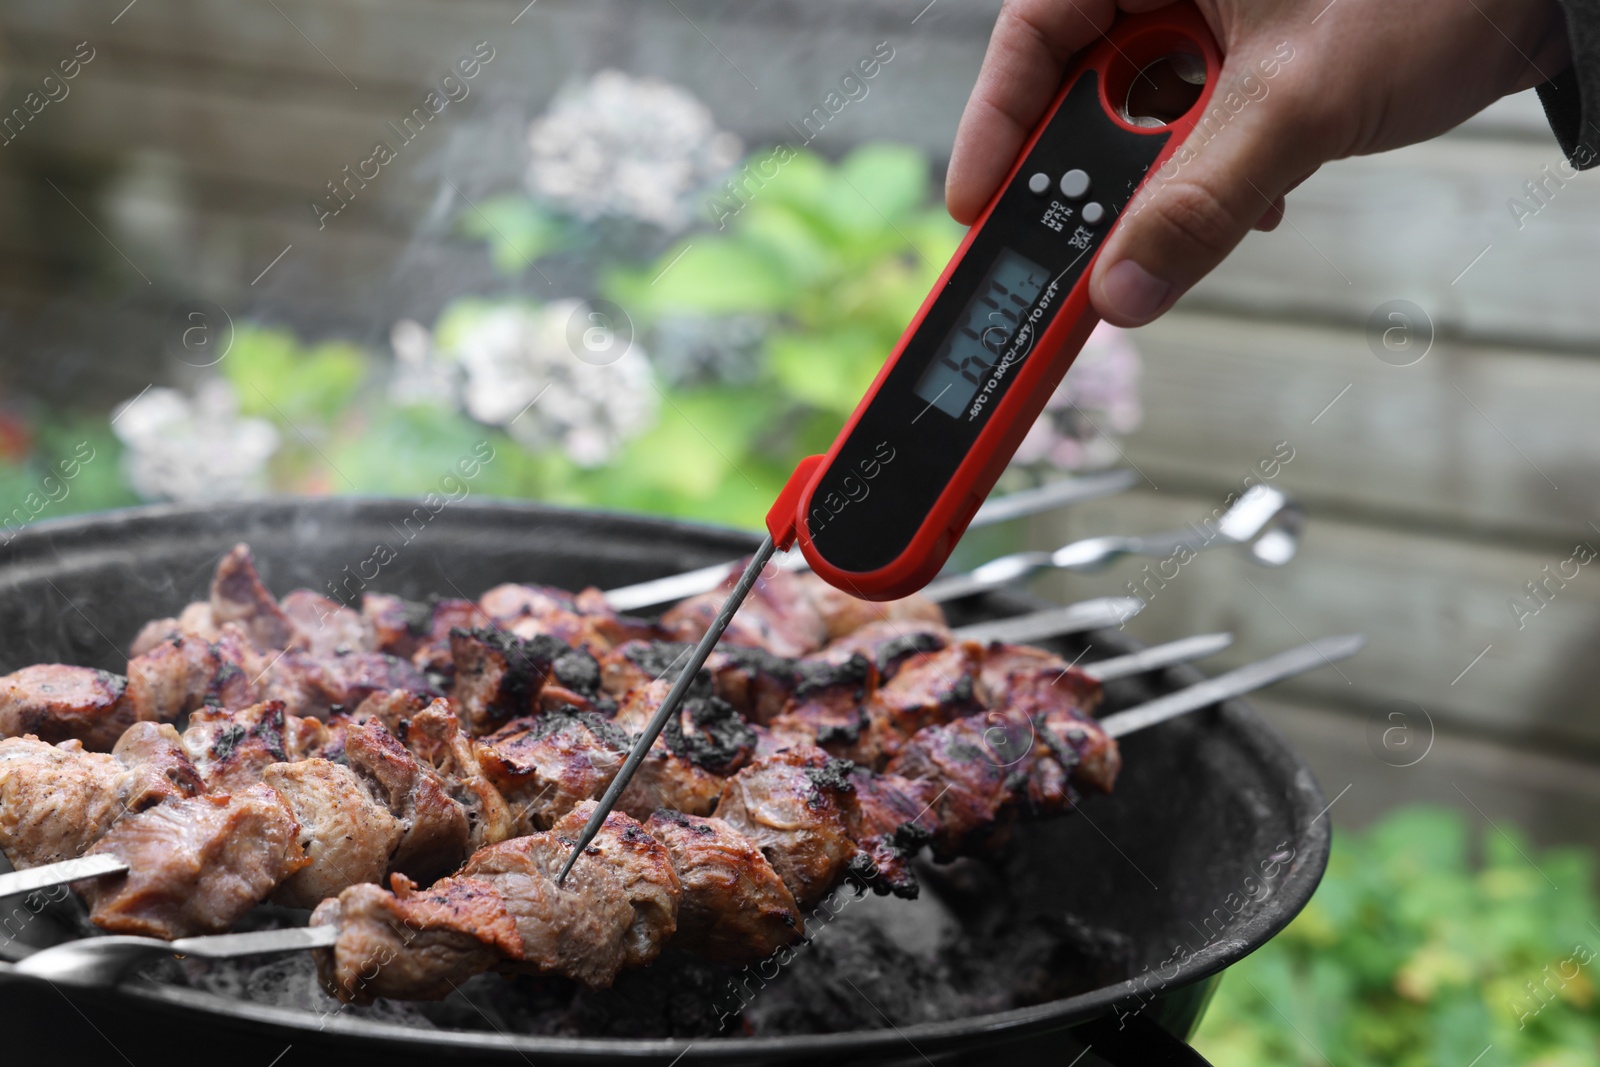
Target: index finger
{"points": [[1032, 42]]}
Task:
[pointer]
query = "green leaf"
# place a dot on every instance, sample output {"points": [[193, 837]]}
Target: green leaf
{"points": [[708, 276], [517, 229]]}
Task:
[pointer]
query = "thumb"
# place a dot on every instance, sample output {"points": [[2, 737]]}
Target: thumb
{"points": [[1193, 210]]}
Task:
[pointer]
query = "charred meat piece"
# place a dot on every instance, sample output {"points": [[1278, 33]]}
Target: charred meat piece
{"points": [[238, 595], [323, 685], [500, 677], [897, 820], [308, 738], [547, 764], [393, 625], [735, 909], [888, 644], [395, 708], [756, 682], [436, 833], [929, 688], [346, 833], [55, 702], [232, 748], [445, 616], [410, 944], [616, 908], [799, 808], [686, 764], [324, 626], [583, 620], [434, 736], [1059, 703], [194, 866], [829, 707]]}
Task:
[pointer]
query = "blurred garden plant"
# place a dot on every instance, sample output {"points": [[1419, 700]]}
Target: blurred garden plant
{"points": [[1413, 954], [689, 363]]}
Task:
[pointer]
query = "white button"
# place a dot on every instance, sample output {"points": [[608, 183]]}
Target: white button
{"points": [[1074, 183], [1093, 212], [1039, 183]]}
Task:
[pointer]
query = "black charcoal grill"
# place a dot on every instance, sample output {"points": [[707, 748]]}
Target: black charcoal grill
{"points": [[1211, 843]]}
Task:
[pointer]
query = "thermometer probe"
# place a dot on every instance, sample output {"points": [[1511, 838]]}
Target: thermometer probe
{"points": [[879, 514]]}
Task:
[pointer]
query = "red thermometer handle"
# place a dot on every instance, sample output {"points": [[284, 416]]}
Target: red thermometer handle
{"points": [[878, 515]]}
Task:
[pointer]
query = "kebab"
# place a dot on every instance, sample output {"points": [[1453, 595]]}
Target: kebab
{"points": [[422, 819], [508, 909], [379, 810]]}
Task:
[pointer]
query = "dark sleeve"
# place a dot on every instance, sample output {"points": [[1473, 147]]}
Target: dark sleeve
{"points": [[1572, 98]]}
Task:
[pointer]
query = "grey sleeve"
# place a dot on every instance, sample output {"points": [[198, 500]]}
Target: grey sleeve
{"points": [[1572, 98]]}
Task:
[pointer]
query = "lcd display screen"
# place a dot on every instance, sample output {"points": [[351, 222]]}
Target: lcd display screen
{"points": [[982, 331]]}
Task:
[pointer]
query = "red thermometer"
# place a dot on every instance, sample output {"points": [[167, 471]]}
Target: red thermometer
{"points": [[879, 514]]}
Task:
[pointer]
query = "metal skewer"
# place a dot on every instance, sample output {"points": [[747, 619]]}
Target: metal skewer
{"points": [[677, 587], [101, 961], [1263, 518]]}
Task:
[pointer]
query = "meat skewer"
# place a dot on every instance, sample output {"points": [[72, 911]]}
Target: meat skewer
{"points": [[466, 923], [1017, 505], [352, 831]]}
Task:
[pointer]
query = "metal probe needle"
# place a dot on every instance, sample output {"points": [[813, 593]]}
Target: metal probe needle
{"points": [[669, 706]]}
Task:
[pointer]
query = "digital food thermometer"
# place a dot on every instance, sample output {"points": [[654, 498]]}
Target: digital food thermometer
{"points": [[879, 514]]}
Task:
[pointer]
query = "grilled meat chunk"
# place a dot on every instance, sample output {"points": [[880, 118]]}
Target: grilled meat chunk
{"points": [[735, 909], [844, 614], [195, 866], [161, 766], [410, 944], [897, 820], [436, 834], [433, 648], [232, 748], [929, 688], [238, 595], [346, 833], [393, 625], [799, 808], [887, 643], [753, 680], [319, 686], [324, 626], [615, 909], [187, 672], [56, 800], [547, 764], [55, 702], [686, 764], [829, 707], [778, 616], [499, 676], [434, 736]]}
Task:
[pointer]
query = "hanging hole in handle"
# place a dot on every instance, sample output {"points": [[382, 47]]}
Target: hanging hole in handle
{"points": [[1165, 90]]}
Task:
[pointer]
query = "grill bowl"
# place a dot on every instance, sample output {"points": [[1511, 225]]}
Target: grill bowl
{"points": [[1172, 859]]}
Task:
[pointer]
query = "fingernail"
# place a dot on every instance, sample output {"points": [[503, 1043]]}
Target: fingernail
{"points": [[1133, 292]]}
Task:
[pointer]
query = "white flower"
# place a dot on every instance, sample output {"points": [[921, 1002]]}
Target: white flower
{"points": [[524, 372], [197, 449], [638, 148], [420, 377]]}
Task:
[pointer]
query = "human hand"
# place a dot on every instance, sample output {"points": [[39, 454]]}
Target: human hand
{"points": [[1364, 76]]}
